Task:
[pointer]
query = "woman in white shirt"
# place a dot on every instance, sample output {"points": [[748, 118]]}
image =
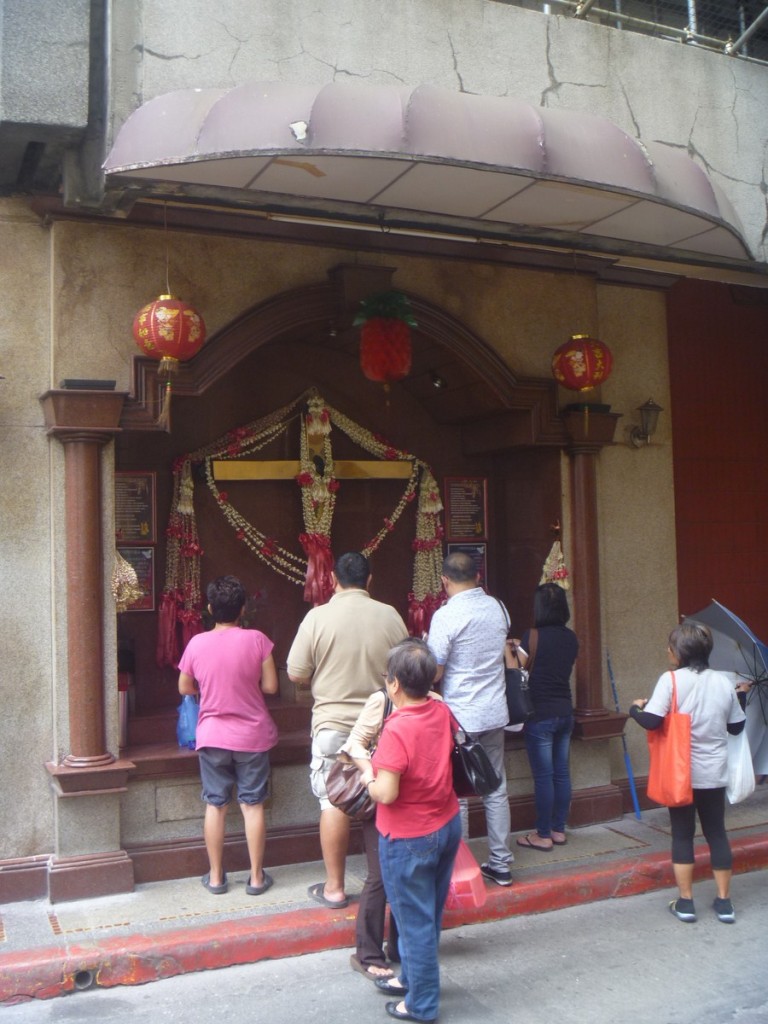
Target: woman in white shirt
{"points": [[716, 710]]}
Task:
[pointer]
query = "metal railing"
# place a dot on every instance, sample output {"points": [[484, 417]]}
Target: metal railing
{"points": [[735, 28]]}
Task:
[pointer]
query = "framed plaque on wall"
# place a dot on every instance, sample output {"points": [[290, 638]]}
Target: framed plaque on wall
{"points": [[466, 514], [135, 514]]}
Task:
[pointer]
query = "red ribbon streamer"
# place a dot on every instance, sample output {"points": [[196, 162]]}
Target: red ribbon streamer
{"points": [[318, 586]]}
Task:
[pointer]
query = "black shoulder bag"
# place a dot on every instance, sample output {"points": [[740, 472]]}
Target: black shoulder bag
{"points": [[519, 703], [473, 773]]}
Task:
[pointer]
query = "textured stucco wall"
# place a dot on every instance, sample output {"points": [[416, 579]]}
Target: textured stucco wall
{"points": [[637, 540], [27, 653], [44, 54], [711, 106]]}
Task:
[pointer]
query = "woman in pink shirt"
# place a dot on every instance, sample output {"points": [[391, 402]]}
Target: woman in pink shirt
{"points": [[232, 668]]}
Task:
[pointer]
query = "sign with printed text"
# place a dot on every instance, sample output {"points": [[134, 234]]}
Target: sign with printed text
{"points": [[466, 508], [135, 508]]}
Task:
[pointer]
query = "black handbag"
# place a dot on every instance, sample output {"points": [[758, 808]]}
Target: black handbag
{"points": [[519, 702], [473, 773]]}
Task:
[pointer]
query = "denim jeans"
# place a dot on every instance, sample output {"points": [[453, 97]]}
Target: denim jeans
{"points": [[548, 743], [417, 873]]}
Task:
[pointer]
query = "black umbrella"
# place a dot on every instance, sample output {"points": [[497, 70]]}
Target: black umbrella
{"points": [[736, 649]]}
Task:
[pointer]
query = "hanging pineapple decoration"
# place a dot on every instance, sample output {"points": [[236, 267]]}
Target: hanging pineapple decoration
{"points": [[555, 569], [385, 321], [126, 589]]}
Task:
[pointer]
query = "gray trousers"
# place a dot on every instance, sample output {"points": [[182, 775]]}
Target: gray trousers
{"points": [[496, 804]]}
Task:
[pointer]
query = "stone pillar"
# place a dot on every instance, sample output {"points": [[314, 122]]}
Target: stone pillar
{"points": [[85, 587], [589, 431], [88, 861]]}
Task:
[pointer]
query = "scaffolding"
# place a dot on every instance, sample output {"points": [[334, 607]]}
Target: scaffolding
{"points": [[738, 28]]}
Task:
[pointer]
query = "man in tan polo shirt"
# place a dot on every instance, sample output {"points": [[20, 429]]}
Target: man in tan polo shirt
{"points": [[340, 649]]}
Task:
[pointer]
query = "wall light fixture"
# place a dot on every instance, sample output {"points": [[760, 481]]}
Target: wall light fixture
{"points": [[649, 418]]}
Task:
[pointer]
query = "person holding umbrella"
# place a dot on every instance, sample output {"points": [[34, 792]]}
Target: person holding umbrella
{"points": [[744, 657], [716, 710]]}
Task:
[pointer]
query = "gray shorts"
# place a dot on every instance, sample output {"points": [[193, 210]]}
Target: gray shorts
{"points": [[326, 744], [222, 770]]}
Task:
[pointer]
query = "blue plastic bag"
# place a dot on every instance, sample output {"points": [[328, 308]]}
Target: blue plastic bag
{"points": [[186, 727]]}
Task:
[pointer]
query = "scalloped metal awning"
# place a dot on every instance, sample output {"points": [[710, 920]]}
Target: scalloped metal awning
{"points": [[440, 158]]}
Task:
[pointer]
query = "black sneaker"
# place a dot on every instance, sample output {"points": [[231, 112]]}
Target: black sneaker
{"points": [[500, 877], [724, 910], [683, 910]]}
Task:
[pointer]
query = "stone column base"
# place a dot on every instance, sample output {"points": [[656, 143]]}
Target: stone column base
{"points": [[89, 875]]}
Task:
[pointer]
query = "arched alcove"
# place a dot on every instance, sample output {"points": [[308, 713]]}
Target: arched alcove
{"points": [[483, 422], [325, 311]]}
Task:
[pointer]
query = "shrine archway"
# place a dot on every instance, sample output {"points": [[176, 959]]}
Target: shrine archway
{"points": [[478, 383], [484, 422]]}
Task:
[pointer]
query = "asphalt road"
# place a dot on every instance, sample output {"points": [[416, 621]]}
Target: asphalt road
{"points": [[623, 961]]}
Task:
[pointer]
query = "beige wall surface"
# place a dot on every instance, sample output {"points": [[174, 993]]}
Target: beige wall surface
{"points": [[637, 538], [656, 90], [26, 495]]}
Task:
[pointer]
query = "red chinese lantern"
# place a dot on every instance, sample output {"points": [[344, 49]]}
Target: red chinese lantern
{"points": [[172, 332], [385, 322], [169, 330], [582, 363]]}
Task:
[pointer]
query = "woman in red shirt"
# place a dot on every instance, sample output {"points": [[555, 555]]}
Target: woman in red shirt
{"points": [[418, 822]]}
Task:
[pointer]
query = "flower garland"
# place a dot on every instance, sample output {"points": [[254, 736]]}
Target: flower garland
{"points": [[181, 602], [318, 502]]}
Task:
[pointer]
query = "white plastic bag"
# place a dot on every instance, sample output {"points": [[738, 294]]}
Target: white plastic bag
{"points": [[741, 775]]}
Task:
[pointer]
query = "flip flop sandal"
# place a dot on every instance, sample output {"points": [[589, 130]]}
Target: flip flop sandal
{"points": [[525, 841], [559, 842], [315, 892], [365, 970], [217, 890], [257, 890]]}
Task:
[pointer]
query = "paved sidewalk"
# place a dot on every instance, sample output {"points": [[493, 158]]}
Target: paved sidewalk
{"points": [[168, 928]]}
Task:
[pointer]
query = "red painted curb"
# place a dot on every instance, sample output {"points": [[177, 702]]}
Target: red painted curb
{"points": [[138, 959]]}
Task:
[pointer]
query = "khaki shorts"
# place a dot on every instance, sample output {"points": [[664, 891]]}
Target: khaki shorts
{"points": [[326, 744]]}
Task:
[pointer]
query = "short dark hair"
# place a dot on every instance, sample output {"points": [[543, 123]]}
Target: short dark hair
{"points": [[413, 665], [226, 596], [459, 567], [691, 643], [550, 605], [352, 570]]}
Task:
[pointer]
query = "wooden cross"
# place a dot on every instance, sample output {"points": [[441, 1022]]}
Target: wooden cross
{"points": [[287, 469]]}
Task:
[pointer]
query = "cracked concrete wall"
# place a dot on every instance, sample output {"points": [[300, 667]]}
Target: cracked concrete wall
{"points": [[711, 106]]}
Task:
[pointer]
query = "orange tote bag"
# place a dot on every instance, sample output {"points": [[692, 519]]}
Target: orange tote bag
{"points": [[669, 747]]}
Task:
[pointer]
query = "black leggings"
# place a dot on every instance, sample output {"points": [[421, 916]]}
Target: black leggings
{"points": [[710, 805]]}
